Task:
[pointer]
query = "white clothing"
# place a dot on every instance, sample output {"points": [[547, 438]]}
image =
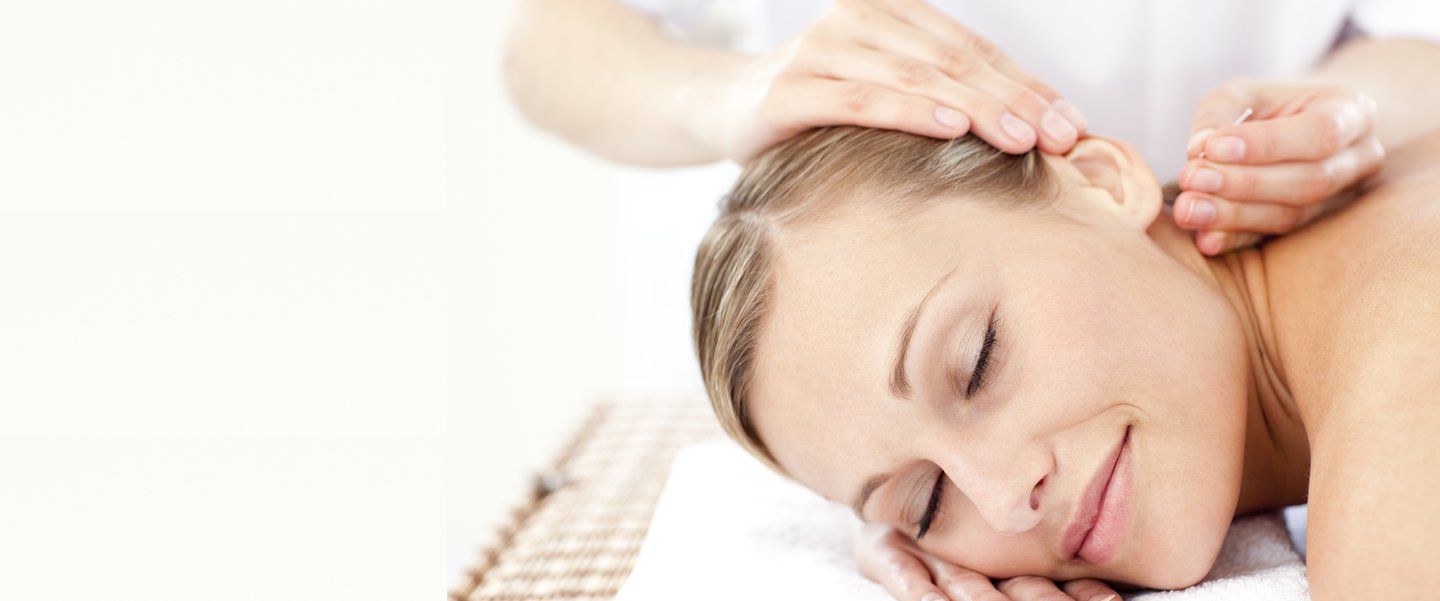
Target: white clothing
{"points": [[1135, 68]]}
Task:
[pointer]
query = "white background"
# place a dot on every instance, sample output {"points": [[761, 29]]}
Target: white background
{"points": [[292, 302]]}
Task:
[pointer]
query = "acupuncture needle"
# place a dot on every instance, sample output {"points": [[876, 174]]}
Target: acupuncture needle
{"points": [[1238, 120], [1173, 189]]}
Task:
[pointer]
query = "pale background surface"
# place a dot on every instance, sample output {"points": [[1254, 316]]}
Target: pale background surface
{"points": [[272, 274], [223, 299]]}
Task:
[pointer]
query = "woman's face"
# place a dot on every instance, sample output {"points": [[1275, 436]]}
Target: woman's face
{"points": [[1093, 335]]}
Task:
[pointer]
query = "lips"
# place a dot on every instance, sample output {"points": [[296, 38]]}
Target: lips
{"points": [[1087, 508]]}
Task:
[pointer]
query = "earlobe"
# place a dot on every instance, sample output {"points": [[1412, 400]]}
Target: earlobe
{"points": [[1117, 179]]}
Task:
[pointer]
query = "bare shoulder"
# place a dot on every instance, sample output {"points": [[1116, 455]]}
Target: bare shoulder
{"points": [[1374, 489], [1370, 273], [1357, 300]]}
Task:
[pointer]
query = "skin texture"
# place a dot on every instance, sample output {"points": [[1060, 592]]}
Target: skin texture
{"points": [[1109, 318]]}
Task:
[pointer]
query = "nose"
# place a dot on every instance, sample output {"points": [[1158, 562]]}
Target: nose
{"points": [[1006, 490]]}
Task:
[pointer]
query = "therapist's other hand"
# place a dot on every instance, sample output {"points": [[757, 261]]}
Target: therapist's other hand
{"points": [[1287, 165], [888, 64], [910, 574]]}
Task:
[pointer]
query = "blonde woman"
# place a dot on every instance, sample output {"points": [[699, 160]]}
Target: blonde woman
{"points": [[1024, 367]]}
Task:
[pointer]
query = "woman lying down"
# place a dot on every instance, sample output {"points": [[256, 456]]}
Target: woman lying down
{"points": [[1016, 365]]}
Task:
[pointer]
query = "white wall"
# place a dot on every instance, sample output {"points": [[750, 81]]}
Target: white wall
{"points": [[292, 302], [223, 299]]}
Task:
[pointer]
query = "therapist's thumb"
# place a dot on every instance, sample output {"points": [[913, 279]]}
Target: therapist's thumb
{"points": [[1219, 107]]}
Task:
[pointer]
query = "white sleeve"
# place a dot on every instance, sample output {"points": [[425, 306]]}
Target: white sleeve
{"points": [[1398, 18]]}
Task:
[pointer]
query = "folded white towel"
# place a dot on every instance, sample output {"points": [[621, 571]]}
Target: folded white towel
{"points": [[727, 528]]}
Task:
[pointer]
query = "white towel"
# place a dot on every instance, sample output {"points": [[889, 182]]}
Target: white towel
{"points": [[727, 528]]}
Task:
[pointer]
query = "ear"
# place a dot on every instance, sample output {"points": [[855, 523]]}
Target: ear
{"points": [[1114, 178]]}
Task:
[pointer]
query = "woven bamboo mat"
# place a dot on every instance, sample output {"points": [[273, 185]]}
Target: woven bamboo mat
{"points": [[578, 534]]}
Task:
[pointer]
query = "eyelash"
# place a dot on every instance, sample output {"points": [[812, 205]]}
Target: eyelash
{"points": [[977, 379], [933, 509]]}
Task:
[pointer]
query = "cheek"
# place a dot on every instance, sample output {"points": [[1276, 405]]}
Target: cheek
{"points": [[1077, 346]]}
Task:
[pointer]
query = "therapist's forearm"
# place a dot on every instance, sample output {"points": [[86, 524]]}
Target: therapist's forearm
{"points": [[1399, 74], [608, 79]]}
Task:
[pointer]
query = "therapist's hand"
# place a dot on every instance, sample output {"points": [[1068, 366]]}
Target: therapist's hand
{"points": [[1288, 164], [910, 574], [889, 64]]}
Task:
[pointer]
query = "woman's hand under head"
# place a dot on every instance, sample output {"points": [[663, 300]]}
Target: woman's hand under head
{"points": [[889, 557], [997, 380], [889, 64]]}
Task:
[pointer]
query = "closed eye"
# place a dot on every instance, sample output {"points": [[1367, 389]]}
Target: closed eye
{"points": [[987, 348], [933, 507]]}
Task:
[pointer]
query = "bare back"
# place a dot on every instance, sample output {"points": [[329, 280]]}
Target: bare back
{"points": [[1355, 300]]}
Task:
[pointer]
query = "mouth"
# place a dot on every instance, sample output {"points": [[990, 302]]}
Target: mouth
{"points": [[1095, 532]]}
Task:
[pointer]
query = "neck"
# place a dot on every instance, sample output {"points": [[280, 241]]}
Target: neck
{"points": [[1277, 452]]}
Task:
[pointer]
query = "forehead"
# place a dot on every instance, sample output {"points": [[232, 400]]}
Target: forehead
{"points": [[843, 288]]}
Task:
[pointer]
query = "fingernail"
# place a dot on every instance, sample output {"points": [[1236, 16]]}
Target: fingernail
{"points": [[1227, 149], [1104, 598], [1201, 212], [1057, 127], [1018, 130], [947, 116], [932, 596], [1193, 145], [1071, 113], [1205, 180]]}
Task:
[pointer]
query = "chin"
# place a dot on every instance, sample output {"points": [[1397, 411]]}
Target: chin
{"points": [[1179, 559], [1188, 570], [1166, 569]]}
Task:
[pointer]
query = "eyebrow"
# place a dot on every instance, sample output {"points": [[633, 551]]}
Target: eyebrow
{"points": [[865, 491], [899, 383]]}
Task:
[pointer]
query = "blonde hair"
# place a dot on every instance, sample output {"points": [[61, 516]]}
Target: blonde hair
{"points": [[795, 180]]}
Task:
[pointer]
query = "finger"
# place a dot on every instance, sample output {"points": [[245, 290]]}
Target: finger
{"points": [[959, 582], [1005, 127], [817, 102], [1242, 240], [1032, 588], [1002, 112], [942, 26], [906, 578], [1089, 589], [887, 557], [1202, 212], [1299, 183], [1057, 134], [1213, 243], [1217, 108], [1318, 131]]}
